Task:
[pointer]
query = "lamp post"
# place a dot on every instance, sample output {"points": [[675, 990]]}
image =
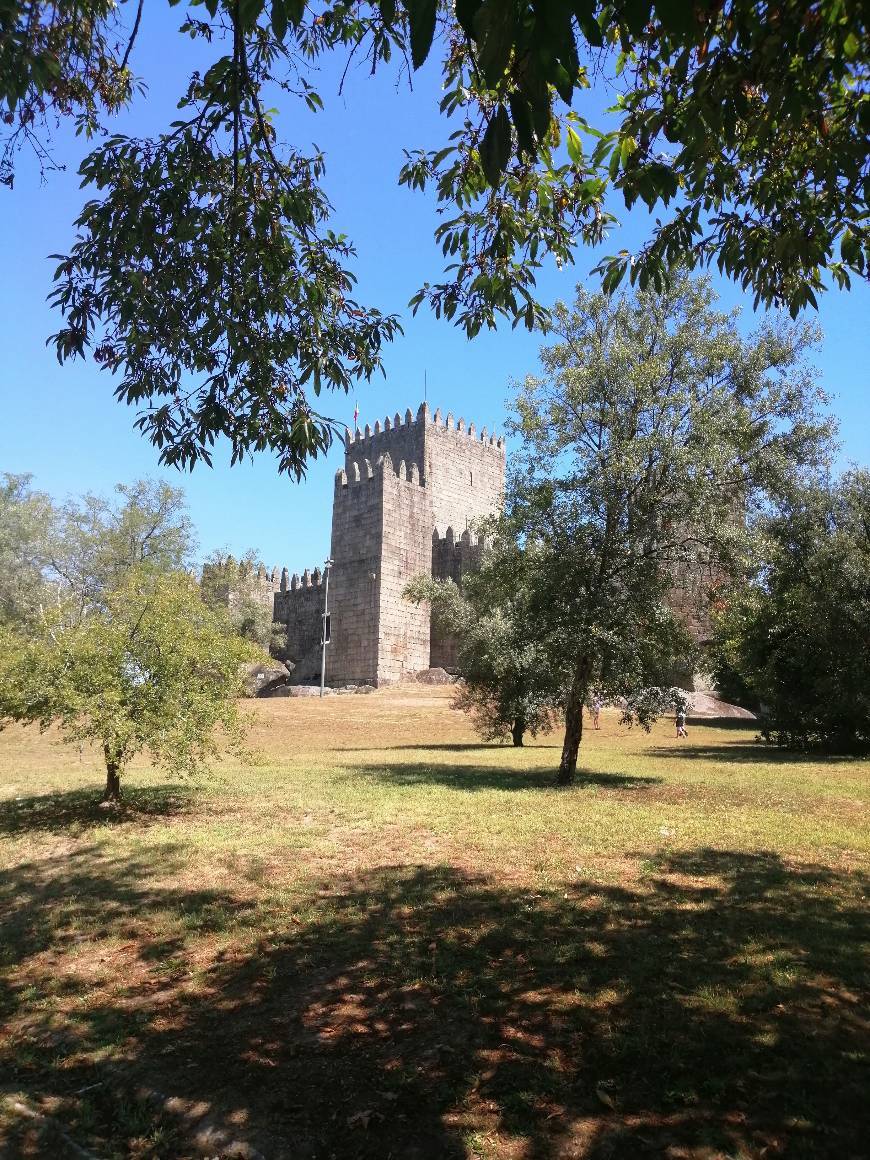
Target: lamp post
{"points": [[324, 634]]}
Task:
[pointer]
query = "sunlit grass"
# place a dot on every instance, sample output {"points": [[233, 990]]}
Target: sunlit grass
{"points": [[379, 917]]}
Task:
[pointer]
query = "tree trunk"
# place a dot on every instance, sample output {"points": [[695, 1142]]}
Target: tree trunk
{"points": [[574, 722], [113, 776], [517, 730]]}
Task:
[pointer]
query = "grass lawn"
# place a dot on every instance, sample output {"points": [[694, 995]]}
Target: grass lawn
{"points": [[384, 939]]}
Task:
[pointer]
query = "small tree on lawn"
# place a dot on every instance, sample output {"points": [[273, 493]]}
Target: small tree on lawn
{"points": [[508, 686], [655, 430], [153, 671]]}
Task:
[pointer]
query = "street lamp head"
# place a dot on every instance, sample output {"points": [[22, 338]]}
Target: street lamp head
{"points": [[329, 561]]}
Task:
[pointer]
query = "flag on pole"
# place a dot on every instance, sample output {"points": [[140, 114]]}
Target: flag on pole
{"points": [[355, 412]]}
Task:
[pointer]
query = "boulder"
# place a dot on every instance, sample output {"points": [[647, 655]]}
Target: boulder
{"points": [[434, 677], [309, 691], [264, 680], [705, 706]]}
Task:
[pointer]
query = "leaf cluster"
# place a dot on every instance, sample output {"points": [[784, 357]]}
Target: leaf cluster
{"points": [[746, 122], [206, 274], [58, 59], [508, 682], [95, 541], [27, 521], [654, 434], [239, 589], [797, 634], [207, 278]]}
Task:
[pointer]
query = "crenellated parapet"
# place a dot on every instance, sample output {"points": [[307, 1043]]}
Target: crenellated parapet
{"points": [[351, 482], [370, 442], [229, 581], [453, 555], [494, 441]]}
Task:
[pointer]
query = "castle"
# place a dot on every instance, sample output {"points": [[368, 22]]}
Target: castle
{"points": [[405, 503]]}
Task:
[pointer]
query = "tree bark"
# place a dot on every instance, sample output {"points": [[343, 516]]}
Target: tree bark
{"points": [[113, 776], [574, 722], [517, 731]]}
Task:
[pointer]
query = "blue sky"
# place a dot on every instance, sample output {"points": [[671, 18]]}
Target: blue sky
{"points": [[63, 425]]}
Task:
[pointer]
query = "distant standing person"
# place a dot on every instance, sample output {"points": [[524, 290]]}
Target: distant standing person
{"points": [[595, 709], [681, 723]]}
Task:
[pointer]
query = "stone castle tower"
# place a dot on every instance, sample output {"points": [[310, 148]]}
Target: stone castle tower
{"points": [[404, 504]]}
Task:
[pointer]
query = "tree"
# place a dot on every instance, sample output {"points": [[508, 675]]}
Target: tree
{"points": [[654, 435], [27, 522], [798, 634], [241, 590], [99, 541], [206, 273], [507, 687], [154, 670]]}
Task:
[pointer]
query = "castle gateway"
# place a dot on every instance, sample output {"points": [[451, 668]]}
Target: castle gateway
{"points": [[404, 504]]}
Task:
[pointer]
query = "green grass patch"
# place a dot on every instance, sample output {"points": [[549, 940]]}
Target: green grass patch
{"points": [[383, 938]]}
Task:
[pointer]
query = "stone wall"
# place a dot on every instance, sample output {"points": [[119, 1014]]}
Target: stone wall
{"points": [[402, 481], [401, 438], [690, 598], [452, 557], [354, 589], [464, 471], [403, 627], [298, 606]]}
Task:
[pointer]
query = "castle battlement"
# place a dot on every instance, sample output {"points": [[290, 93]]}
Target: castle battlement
{"points": [[360, 473], [468, 538], [363, 439]]}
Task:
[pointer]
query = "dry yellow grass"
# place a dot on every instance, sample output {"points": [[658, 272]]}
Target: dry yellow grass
{"points": [[384, 938]]}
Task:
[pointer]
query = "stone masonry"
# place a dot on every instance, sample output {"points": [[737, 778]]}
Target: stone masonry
{"points": [[405, 503]]}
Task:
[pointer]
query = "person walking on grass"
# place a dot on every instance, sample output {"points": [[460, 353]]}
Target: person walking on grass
{"points": [[681, 722], [595, 710]]}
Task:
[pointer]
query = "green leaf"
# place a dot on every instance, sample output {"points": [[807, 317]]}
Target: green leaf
{"points": [[522, 124], [850, 248], [388, 11], [494, 27], [421, 19], [636, 13], [249, 12], [584, 10], [495, 149], [466, 10], [575, 147], [675, 16], [626, 149], [279, 19]]}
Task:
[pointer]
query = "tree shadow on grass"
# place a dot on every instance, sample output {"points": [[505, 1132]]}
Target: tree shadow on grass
{"points": [[453, 747], [79, 899], [739, 752], [81, 809], [480, 777], [713, 1009]]}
